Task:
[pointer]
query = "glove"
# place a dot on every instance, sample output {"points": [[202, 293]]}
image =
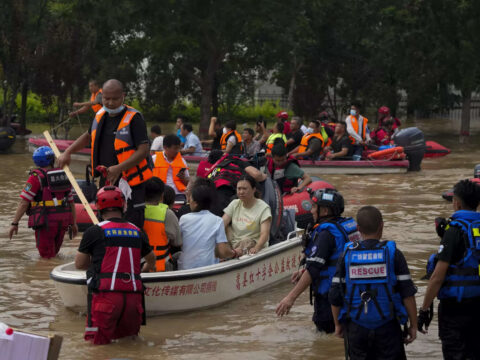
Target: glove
{"points": [[425, 318], [440, 224]]}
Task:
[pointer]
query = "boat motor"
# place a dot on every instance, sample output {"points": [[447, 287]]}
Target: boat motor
{"points": [[7, 138], [413, 143], [476, 171]]}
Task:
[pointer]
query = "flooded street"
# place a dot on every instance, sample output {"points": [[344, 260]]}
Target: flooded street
{"points": [[247, 327]]}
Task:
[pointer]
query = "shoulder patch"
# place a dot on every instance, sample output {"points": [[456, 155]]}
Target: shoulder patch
{"points": [[440, 249], [27, 187], [314, 249]]}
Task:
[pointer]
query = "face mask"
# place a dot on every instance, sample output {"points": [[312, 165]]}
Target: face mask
{"points": [[114, 111], [309, 130], [353, 112], [224, 130]]}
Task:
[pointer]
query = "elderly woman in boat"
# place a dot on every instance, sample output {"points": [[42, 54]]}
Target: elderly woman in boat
{"points": [[248, 218], [203, 233]]}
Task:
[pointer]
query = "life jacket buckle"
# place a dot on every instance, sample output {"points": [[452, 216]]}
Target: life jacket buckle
{"points": [[126, 278]]}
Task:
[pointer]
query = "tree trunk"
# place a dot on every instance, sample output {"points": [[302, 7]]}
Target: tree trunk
{"points": [[205, 108], [215, 97], [291, 88], [465, 122], [23, 109]]}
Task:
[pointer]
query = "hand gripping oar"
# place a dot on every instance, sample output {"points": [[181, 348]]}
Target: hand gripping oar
{"points": [[72, 179]]}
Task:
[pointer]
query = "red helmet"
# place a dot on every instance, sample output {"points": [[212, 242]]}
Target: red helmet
{"points": [[282, 115], [384, 110], [110, 197]]}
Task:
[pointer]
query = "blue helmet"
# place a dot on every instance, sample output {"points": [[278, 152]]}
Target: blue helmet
{"points": [[43, 156]]}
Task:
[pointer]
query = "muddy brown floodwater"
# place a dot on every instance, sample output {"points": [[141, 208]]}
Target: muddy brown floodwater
{"points": [[246, 327]]}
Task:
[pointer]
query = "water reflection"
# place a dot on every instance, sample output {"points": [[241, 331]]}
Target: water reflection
{"points": [[248, 326]]}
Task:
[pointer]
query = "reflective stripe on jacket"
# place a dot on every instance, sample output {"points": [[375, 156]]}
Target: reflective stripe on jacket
{"points": [[95, 107], [237, 149], [124, 147], [161, 166], [370, 297], [120, 268], [357, 128], [463, 278], [154, 226]]}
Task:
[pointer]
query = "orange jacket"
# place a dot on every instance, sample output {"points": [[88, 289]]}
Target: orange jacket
{"points": [[154, 226], [306, 138], [224, 138], [161, 166], [354, 121], [124, 147], [95, 107]]}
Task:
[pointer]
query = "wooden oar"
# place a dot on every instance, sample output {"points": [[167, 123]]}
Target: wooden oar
{"points": [[72, 179]]}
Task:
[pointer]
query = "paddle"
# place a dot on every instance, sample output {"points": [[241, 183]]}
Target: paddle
{"points": [[72, 179]]}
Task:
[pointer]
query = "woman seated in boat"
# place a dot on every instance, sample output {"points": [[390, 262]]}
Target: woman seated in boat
{"points": [[203, 233], [248, 219]]}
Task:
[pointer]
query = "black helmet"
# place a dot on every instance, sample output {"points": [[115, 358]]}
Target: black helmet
{"points": [[330, 198]]}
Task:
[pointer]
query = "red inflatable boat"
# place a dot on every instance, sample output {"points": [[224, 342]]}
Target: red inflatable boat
{"points": [[296, 201], [434, 149]]}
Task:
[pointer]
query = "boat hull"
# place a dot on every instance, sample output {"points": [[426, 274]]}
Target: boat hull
{"points": [[187, 290]]}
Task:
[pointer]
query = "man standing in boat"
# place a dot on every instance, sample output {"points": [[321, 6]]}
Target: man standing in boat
{"points": [[358, 131], [111, 252], [119, 141], [323, 247], [95, 100]]}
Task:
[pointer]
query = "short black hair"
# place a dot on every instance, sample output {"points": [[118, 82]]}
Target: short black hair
{"points": [[342, 123], [280, 126], [298, 120], [156, 129], [231, 124], [279, 150], [250, 131], [171, 140], [154, 189], [94, 81], [252, 182], [203, 195], [316, 122], [188, 127], [468, 193], [183, 118], [357, 104], [169, 196], [369, 219]]}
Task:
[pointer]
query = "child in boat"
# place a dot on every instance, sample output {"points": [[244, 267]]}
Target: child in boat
{"points": [[161, 225], [48, 200]]}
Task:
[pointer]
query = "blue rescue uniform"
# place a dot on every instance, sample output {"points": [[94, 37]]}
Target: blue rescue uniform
{"points": [[459, 310], [371, 279], [322, 252]]}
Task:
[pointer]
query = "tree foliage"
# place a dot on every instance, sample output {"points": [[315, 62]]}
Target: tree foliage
{"points": [[324, 53]]}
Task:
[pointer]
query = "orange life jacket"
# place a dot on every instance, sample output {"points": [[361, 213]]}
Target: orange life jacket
{"points": [[306, 138], [154, 226], [124, 147], [354, 122], [161, 166], [237, 149], [95, 107]]}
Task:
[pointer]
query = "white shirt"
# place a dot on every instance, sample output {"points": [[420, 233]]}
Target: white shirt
{"points": [[201, 232], [169, 181], [192, 140], [157, 144], [351, 131]]}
